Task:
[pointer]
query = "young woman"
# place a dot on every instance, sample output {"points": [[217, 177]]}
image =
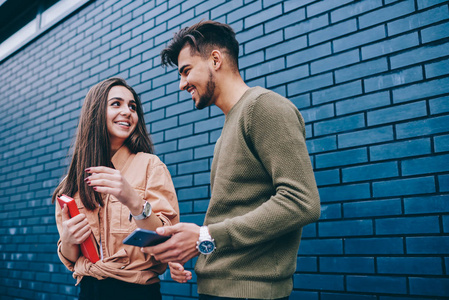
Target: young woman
{"points": [[112, 175]]}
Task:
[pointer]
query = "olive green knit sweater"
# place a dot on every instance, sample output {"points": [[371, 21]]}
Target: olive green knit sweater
{"points": [[263, 193]]}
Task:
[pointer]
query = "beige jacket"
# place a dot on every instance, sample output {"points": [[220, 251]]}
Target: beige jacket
{"points": [[110, 224]]}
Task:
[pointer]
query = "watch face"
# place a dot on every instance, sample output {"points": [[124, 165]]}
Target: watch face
{"points": [[206, 247]]}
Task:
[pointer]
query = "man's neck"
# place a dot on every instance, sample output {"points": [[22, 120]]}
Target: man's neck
{"points": [[230, 92]]}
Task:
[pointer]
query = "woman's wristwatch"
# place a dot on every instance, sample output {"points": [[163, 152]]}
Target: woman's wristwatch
{"points": [[145, 213]]}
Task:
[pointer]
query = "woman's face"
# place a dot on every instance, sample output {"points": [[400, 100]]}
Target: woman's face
{"points": [[121, 116]]}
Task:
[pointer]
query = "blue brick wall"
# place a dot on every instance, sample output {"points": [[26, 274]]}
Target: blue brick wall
{"points": [[371, 78]]}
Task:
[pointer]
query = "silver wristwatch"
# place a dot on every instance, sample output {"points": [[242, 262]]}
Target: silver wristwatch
{"points": [[145, 213], [205, 244]]}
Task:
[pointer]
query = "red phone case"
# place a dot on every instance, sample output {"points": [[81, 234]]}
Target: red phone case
{"points": [[88, 246]]}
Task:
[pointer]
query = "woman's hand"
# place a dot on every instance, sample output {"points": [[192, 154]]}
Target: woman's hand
{"points": [[178, 273], [110, 181], [74, 231]]}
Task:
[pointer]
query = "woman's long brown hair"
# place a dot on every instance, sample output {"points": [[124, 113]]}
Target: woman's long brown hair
{"points": [[92, 145]]}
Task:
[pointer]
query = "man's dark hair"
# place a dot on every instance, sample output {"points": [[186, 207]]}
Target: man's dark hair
{"points": [[202, 38]]}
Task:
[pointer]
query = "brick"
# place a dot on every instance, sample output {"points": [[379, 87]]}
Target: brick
{"points": [[284, 20], [361, 70], [321, 247], [397, 113], [330, 211], [344, 192], [245, 11], [310, 83], [422, 127], [209, 124], [225, 8], [419, 55], [346, 296], [205, 151], [341, 91], [401, 77], [400, 149], [347, 264], [385, 14], [362, 103], [202, 178], [265, 68], [334, 61], [441, 143], [439, 105], [346, 228], [306, 26], [263, 42], [428, 245], [408, 186], [341, 158], [320, 7], [365, 137], [372, 208], [332, 32], [263, 16], [193, 193], [359, 38], [418, 20], [193, 167], [178, 132], [437, 69], [443, 181], [408, 225], [318, 282], [164, 124], [370, 172], [306, 264], [317, 113], [435, 33], [376, 284], [438, 287], [358, 8], [308, 54], [428, 3], [339, 124], [249, 34], [286, 47], [193, 141], [423, 205], [426, 165], [321, 144]]}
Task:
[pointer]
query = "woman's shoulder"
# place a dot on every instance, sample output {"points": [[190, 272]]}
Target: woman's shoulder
{"points": [[148, 158]]}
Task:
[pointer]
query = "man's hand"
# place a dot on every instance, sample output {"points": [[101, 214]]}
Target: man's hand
{"points": [[180, 247], [178, 273]]}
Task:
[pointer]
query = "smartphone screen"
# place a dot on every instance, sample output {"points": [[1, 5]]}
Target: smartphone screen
{"points": [[144, 238]]}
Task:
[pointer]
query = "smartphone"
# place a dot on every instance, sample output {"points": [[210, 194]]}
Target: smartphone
{"points": [[144, 238]]}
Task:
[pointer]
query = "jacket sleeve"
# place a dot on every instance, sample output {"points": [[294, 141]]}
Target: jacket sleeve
{"points": [[160, 192], [277, 133], [69, 265]]}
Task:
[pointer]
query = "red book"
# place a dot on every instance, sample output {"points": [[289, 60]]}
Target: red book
{"points": [[88, 246]]}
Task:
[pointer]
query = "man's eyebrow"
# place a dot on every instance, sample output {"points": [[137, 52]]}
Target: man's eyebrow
{"points": [[181, 70]]}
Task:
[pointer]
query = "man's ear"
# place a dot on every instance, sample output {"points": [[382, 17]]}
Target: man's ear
{"points": [[217, 59]]}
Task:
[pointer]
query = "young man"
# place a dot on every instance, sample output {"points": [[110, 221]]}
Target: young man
{"points": [[263, 187]]}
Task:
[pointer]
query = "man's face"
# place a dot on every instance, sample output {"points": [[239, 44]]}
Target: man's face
{"points": [[196, 77]]}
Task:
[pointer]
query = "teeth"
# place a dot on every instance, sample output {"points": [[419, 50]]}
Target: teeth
{"points": [[123, 123]]}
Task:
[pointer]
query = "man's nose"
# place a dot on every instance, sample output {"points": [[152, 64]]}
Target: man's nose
{"points": [[183, 84]]}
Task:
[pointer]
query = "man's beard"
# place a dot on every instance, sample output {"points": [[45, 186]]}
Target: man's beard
{"points": [[206, 99]]}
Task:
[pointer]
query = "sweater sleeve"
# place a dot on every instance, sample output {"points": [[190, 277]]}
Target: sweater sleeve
{"points": [[276, 130]]}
